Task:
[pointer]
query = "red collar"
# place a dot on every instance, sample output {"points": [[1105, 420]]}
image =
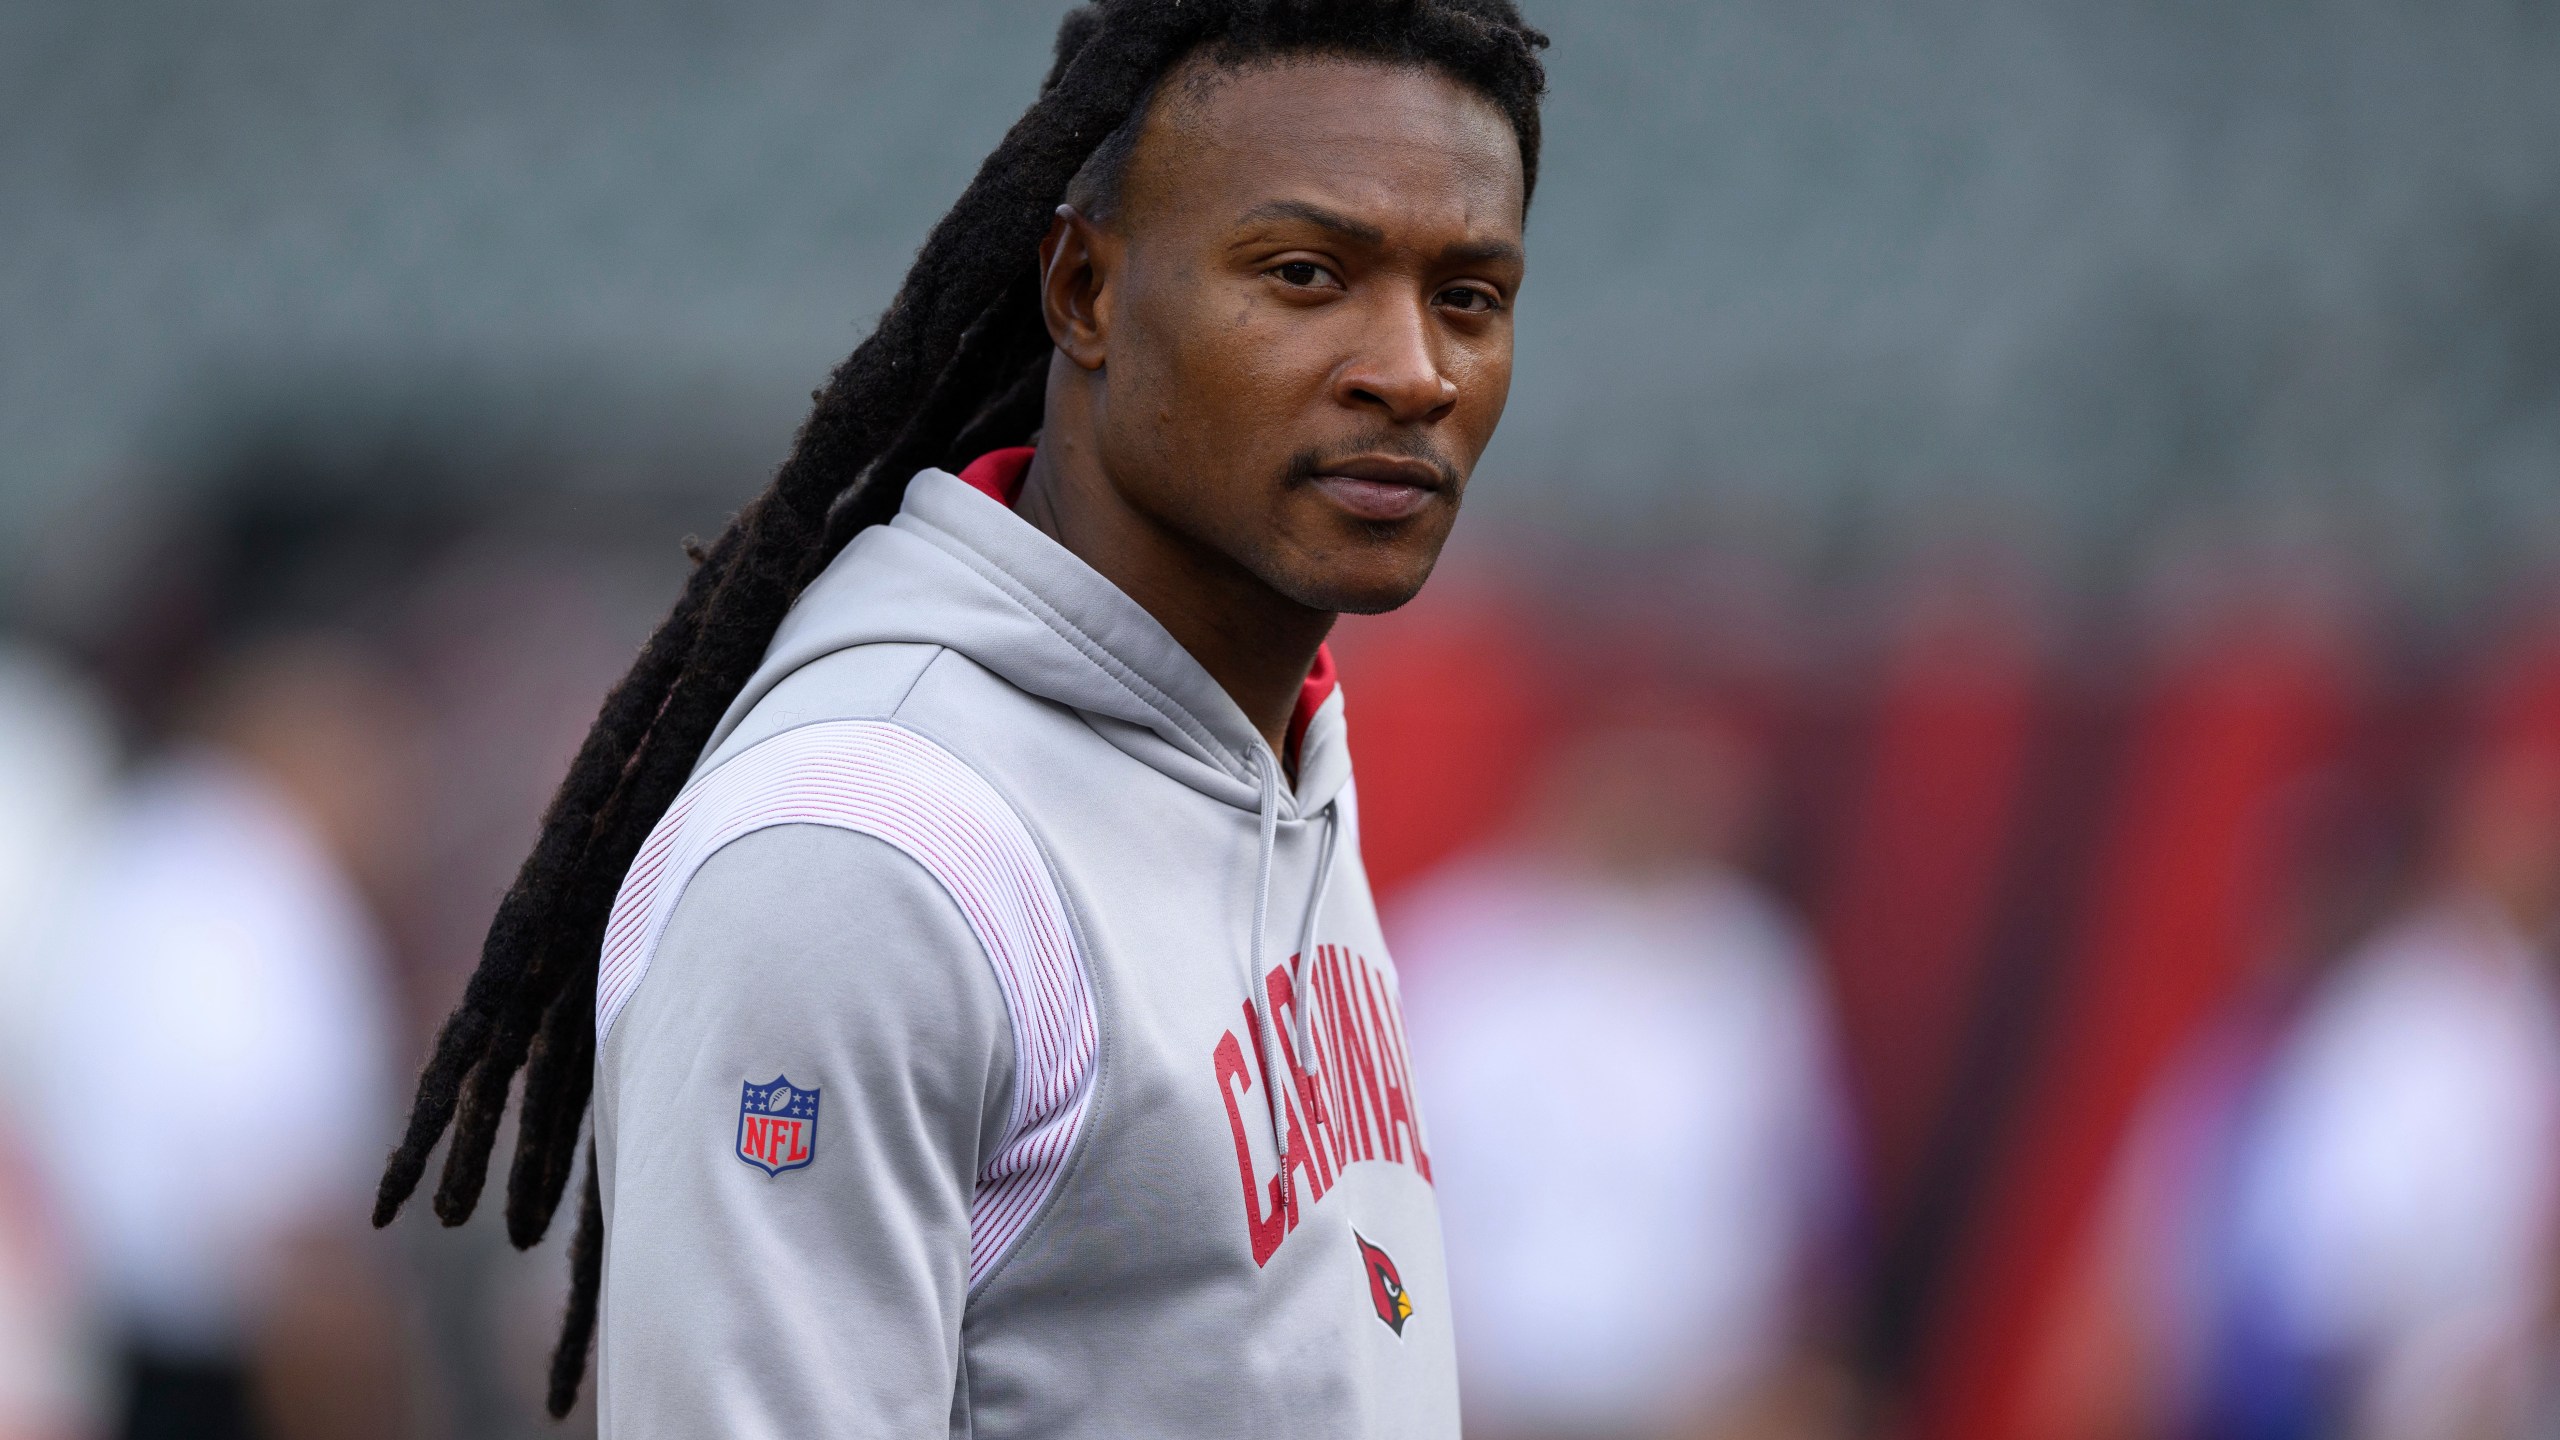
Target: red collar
{"points": [[999, 474]]}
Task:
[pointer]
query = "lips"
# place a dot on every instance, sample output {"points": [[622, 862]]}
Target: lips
{"points": [[1380, 487]]}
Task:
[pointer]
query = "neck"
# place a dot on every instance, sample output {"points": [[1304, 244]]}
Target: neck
{"points": [[1255, 642]]}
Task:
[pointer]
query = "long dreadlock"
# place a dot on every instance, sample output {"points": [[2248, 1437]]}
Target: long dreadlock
{"points": [[956, 367]]}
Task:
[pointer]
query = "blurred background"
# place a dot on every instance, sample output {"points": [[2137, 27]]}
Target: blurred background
{"points": [[1999, 691]]}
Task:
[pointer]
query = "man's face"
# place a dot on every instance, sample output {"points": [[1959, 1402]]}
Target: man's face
{"points": [[1303, 336]]}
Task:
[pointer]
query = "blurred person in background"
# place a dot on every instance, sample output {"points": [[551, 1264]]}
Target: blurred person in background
{"points": [[1637, 1129], [56, 757], [2336, 1215], [2388, 1252], [210, 1031]]}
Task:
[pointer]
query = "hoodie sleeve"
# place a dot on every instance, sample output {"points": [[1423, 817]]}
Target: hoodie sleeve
{"points": [[793, 1112]]}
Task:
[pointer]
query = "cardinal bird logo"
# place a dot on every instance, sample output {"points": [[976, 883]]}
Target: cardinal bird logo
{"points": [[1386, 1287]]}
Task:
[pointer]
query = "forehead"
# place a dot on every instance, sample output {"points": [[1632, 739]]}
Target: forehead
{"points": [[1393, 145]]}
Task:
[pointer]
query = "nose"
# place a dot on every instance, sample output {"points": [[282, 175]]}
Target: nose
{"points": [[1397, 370]]}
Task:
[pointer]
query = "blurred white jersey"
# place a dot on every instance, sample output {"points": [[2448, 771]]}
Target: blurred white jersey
{"points": [[1638, 1135], [2397, 1205], [213, 1050]]}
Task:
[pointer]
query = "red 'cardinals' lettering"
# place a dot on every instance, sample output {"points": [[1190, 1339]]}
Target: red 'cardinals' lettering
{"points": [[1346, 1100]]}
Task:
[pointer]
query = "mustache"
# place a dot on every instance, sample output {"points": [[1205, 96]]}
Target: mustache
{"points": [[1306, 465]]}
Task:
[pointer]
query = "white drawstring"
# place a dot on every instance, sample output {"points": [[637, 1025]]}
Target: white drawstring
{"points": [[1257, 994], [1300, 989]]}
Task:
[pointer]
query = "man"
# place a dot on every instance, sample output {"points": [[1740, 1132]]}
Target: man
{"points": [[995, 1032]]}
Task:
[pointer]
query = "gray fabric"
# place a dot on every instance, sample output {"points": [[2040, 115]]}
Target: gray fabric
{"points": [[783, 925], [1147, 1296]]}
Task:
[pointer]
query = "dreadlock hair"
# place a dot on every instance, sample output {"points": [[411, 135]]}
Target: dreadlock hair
{"points": [[956, 367]]}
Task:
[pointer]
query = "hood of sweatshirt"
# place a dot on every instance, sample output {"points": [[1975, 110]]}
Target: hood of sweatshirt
{"points": [[958, 568]]}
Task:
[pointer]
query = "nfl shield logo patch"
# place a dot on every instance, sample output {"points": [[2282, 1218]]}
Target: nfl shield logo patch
{"points": [[777, 1125]]}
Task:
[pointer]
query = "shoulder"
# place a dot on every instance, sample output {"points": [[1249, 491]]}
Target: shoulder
{"points": [[809, 918], [864, 813], [856, 682]]}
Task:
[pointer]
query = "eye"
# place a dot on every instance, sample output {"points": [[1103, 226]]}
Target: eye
{"points": [[1304, 274], [1470, 299]]}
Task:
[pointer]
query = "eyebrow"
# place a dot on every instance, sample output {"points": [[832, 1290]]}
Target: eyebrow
{"points": [[1315, 215], [1482, 252], [1465, 252]]}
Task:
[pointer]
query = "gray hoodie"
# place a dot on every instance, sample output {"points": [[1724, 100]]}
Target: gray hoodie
{"points": [[939, 1024]]}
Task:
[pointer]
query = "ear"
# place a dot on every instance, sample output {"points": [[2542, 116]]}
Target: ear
{"points": [[1077, 262]]}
